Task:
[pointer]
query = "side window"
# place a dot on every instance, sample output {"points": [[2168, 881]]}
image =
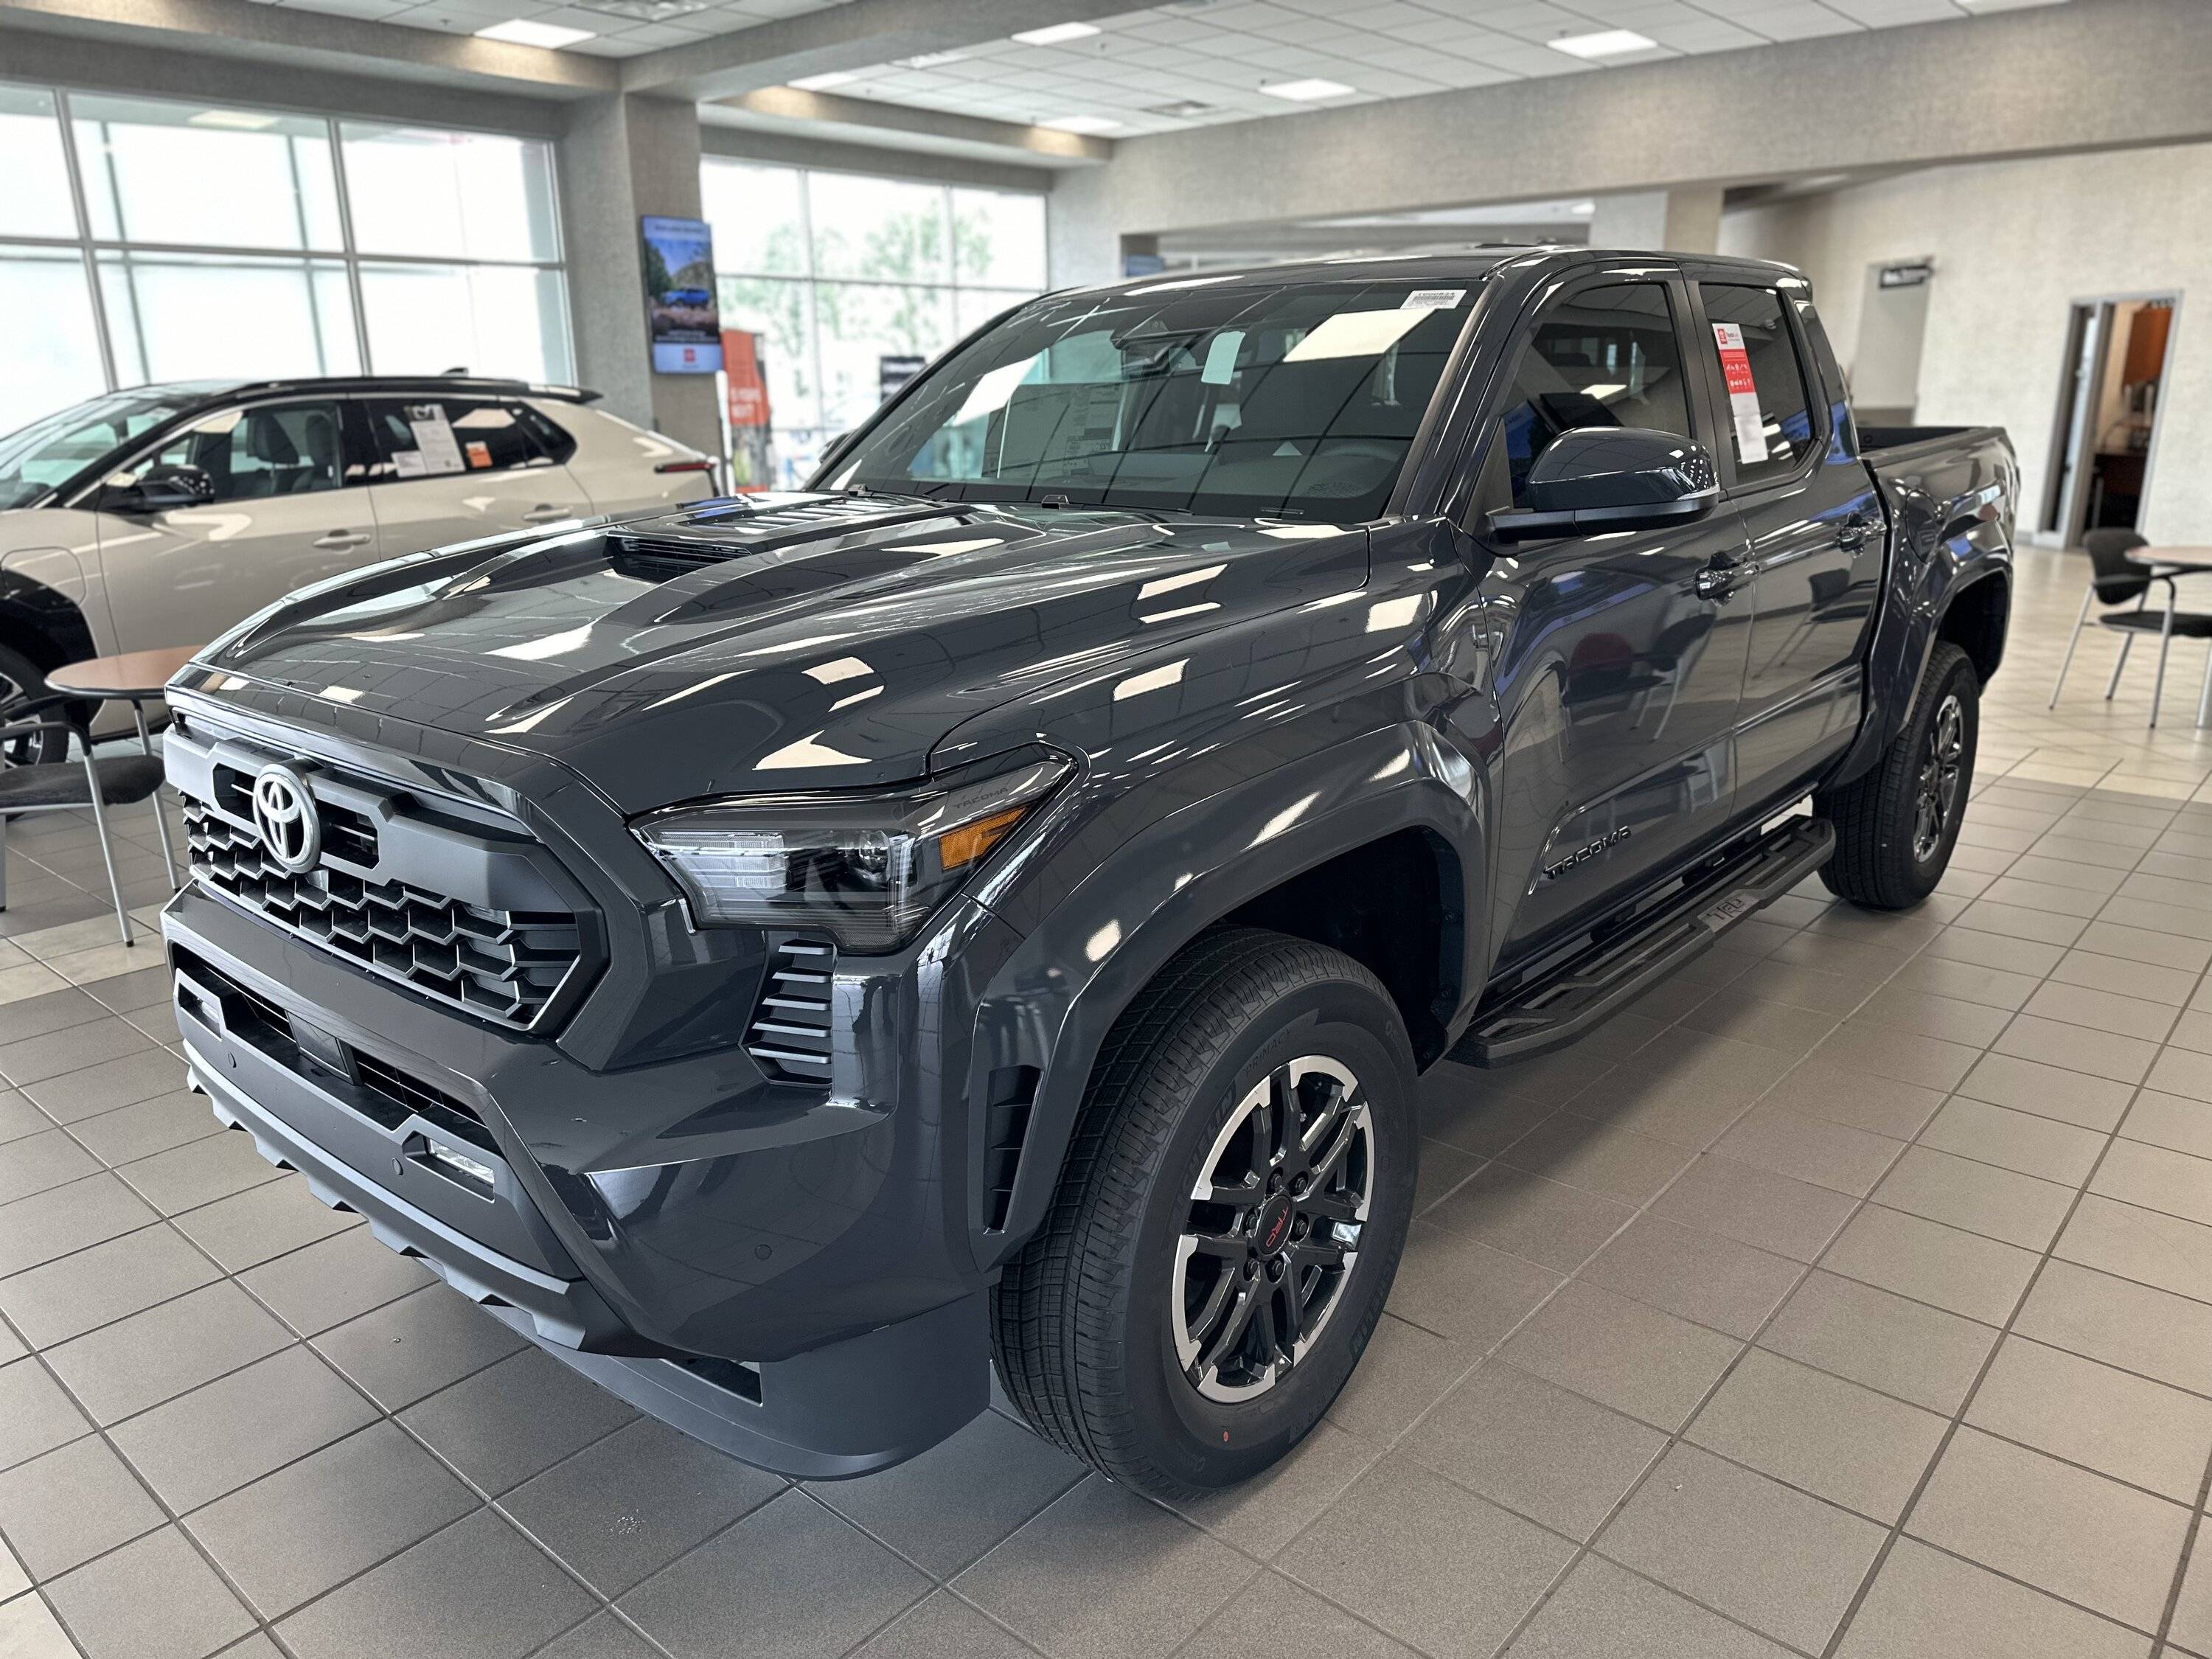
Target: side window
{"points": [[1606, 356], [253, 454], [554, 441], [434, 437], [1770, 412]]}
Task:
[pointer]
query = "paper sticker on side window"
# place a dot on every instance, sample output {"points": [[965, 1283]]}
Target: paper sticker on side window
{"points": [[436, 450], [1432, 299], [1743, 394]]}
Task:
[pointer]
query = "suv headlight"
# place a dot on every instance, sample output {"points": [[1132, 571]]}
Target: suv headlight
{"points": [[868, 869]]}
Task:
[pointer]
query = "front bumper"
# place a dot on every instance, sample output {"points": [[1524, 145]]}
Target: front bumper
{"points": [[834, 1350]]}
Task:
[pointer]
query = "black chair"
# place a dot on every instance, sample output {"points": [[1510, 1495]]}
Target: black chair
{"points": [[73, 785], [2116, 578]]}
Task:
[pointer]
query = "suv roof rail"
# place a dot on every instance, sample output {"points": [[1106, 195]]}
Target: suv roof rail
{"points": [[448, 382]]}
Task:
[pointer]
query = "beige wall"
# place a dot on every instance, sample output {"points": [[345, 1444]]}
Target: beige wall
{"points": [[2015, 244]]}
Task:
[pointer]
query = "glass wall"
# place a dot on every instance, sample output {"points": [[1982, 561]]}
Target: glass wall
{"points": [[147, 240], [847, 278]]}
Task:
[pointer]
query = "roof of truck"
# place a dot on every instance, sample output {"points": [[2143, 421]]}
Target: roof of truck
{"points": [[1466, 264]]}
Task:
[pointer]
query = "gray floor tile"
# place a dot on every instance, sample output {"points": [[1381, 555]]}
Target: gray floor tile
{"points": [[1298, 1623], [1927, 1604], [1926, 1012], [201, 1171], [795, 1578], [1404, 1370], [19, 1117], [146, 987], [35, 1414], [1857, 1100], [2033, 1145], [2192, 1613], [1966, 981], [1928, 1261], [28, 1630], [1809, 1149], [1684, 1086], [2113, 939], [35, 1162], [95, 1286], [2017, 922], [478, 1588], [1623, 1354], [73, 1503], [336, 1278], [1536, 1449], [1260, 1516], [1782, 1026], [1705, 1279], [218, 1438], [63, 1219], [1993, 950], [123, 1081], [151, 1126], [1980, 1198], [2077, 1535], [1525, 1215], [1832, 1438], [69, 1049], [1747, 1547], [2147, 981], [2162, 1250], [1901, 1347], [1433, 1565], [2171, 1121], [1754, 1206], [626, 1506], [262, 1223], [606, 1637], [2103, 1010], [515, 1419], [1605, 1611], [2133, 1327], [2113, 1421], [153, 1599], [2078, 1049], [57, 1011], [156, 1355], [293, 1535], [1459, 1288], [2182, 1072], [2157, 1178], [1597, 1157], [1476, 1122], [1903, 1056], [2075, 1098], [408, 1349]]}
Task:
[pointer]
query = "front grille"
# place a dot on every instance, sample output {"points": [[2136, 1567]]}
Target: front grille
{"points": [[346, 834], [505, 965], [790, 1029]]}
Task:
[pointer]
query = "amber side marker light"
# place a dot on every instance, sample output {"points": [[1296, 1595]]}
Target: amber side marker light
{"points": [[971, 840]]}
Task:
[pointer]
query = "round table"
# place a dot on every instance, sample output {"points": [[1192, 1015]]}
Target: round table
{"points": [[136, 678]]}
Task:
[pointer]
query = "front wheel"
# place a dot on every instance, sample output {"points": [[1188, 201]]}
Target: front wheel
{"points": [[1895, 827], [1231, 1215]]}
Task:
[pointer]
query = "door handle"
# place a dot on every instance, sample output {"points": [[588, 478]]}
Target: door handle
{"points": [[1852, 534], [1718, 579], [338, 541], [546, 513]]}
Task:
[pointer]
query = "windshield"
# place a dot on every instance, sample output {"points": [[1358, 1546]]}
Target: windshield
{"points": [[1299, 400], [48, 452]]}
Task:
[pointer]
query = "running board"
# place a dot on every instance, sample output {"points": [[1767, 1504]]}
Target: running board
{"points": [[1607, 974]]}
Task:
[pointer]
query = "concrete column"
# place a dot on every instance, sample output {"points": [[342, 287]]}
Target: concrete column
{"points": [[1684, 220], [1080, 234], [622, 157]]}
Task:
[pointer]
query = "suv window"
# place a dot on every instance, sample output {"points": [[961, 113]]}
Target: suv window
{"points": [[251, 454], [1605, 356], [1770, 412], [426, 437]]}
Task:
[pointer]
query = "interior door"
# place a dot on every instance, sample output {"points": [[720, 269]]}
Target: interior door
{"points": [[281, 512], [1815, 534], [1623, 664], [452, 469]]}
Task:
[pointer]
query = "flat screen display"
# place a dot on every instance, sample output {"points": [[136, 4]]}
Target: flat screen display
{"points": [[682, 314]]}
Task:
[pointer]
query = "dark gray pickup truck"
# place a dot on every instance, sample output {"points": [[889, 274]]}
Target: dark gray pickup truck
{"points": [[786, 954]]}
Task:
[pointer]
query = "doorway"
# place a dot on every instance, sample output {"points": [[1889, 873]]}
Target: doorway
{"points": [[2105, 437]]}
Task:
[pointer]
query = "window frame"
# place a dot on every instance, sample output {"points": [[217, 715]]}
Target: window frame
{"points": [[381, 453], [1734, 484]]}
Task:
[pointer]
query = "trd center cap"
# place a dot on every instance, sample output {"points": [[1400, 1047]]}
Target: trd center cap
{"points": [[1272, 1231]]}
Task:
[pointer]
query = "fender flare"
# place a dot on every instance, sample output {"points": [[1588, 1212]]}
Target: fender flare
{"points": [[1052, 1004]]}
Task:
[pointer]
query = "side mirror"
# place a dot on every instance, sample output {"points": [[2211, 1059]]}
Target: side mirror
{"points": [[1609, 478], [162, 488]]}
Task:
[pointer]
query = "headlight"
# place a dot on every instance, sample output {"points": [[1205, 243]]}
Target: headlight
{"points": [[866, 868]]}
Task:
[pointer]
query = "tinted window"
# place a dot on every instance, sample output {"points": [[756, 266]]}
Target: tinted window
{"points": [[55, 449], [1769, 412], [1606, 356], [428, 437], [1300, 399], [253, 454]]}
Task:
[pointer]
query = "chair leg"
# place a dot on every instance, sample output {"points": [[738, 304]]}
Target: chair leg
{"points": [[107, 855], [161, 820], [2165, 639], [2126, 640], [2072, 639], [4, 861], [2204, 691]]}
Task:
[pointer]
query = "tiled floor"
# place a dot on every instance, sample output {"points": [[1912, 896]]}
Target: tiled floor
{"points": [[1852, 1296]]}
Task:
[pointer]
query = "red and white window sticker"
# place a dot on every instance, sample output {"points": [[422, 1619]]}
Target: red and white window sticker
{"points": [[1743, 393]]}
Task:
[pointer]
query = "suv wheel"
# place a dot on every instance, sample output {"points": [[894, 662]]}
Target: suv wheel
{"points": [[22, 681], [1234, 1206], [1895, 827]]}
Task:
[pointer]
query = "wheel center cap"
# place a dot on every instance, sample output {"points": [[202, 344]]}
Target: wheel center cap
{"points": [[1272, 1231]]}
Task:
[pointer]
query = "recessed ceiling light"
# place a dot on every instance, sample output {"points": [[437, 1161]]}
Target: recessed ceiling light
{"points": [[1086, 125], [237, 120], [521, 32], [1606, 43], [1304, 92], [824, 81], [1056, 34], [931, 59], [1583, 210], [1183, 109], [645, 11]]}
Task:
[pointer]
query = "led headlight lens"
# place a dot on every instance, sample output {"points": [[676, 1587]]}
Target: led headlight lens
{"points": [[868, 869]]}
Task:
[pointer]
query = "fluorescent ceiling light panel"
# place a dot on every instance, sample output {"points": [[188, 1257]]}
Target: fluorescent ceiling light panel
{"points": [[1088, 126], [1058, 34], [237, 120], [521, 32], [1606, 43], [824, 82], [931, 60], [1304, 92]]}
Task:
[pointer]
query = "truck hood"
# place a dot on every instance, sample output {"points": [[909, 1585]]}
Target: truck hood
{"points": [[774, 643]]}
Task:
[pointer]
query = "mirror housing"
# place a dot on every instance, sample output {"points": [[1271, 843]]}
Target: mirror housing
{"points": [[1599, 479], [160, 490]]}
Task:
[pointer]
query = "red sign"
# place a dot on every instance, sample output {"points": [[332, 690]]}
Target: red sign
{"points": [[748, 383]]}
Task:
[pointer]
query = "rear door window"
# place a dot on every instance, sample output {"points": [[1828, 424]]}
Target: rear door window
{"points": [[260, 452], [1606, 356], [1770, 412], [437, 437]]}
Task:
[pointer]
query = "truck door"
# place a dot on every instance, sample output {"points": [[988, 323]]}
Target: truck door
{"points": [[1623, 665], [1814, 528]]}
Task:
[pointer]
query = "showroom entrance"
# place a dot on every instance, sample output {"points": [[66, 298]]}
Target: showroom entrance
{"points": [[2102, 444]]}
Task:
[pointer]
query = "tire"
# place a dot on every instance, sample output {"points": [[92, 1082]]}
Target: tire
{"points": [[1085, 1329], [22, 681], [1895, 827]]}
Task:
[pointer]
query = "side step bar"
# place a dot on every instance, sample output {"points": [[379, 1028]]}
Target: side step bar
{"points": [[1597, 980]]}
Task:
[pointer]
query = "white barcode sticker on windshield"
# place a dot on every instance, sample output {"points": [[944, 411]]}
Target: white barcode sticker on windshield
{"points": [[1433, 299]]}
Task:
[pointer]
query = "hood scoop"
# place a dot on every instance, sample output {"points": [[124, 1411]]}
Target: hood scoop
{"points": [[728, 531]]}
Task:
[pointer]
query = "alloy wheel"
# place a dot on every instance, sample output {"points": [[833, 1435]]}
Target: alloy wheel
{"points": [[1936, 797]]}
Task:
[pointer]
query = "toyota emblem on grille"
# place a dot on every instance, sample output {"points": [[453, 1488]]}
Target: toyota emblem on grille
{"points": [[284, 814]]}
